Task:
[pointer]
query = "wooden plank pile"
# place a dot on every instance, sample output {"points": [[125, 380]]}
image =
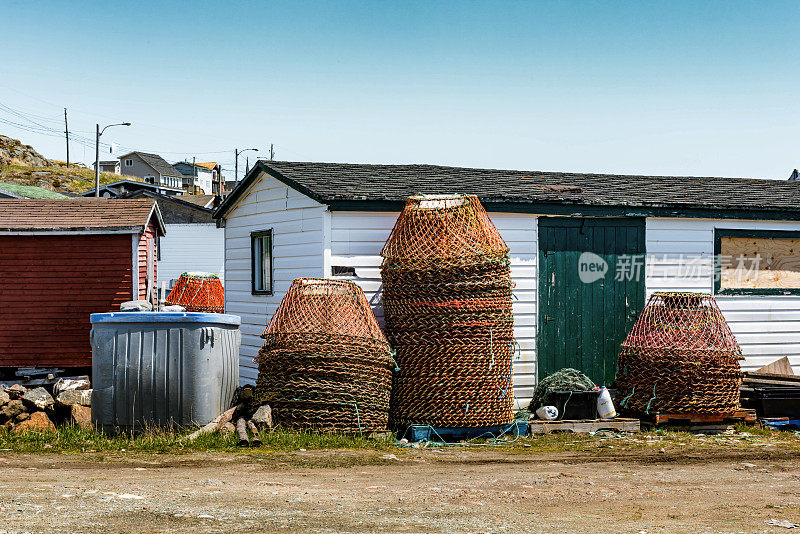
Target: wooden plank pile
{"points": [[773, 390]]}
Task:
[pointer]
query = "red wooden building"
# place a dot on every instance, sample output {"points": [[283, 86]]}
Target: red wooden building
{"points": [[62, 260]]}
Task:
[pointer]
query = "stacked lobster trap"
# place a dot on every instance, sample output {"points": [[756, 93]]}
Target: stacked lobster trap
{"points": [[198, 292], [447, 308], [680, 357], [325, 363]]}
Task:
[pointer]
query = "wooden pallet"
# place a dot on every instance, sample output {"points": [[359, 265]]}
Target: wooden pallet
{"points": [[584, 426], [743, 415]]}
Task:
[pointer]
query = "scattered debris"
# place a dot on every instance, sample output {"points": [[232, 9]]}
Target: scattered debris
{"points": [[781, 523]]}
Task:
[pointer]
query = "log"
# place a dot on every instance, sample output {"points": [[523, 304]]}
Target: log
{"points": [[216, 424], [241, 429], [254, 429]]}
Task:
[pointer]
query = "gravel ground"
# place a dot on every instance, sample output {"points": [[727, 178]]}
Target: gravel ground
{"points": [[453, 490]]}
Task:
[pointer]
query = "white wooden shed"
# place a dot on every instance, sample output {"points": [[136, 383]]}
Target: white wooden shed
{"points": [[736, 238]]}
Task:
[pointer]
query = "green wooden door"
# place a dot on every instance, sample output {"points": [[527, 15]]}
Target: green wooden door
{"points": [[584, 311]]}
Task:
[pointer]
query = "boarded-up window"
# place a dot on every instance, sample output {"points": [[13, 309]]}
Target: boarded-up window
{"points": [[757, 261]]}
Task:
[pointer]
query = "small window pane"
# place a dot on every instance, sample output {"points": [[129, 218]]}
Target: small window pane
{"points": [[261, 248]]}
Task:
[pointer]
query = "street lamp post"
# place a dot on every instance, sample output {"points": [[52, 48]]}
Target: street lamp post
{"points": [[97, 155], [236, 164]]}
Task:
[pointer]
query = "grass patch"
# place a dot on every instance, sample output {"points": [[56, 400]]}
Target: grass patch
{"points": [[71, 438], [73, 179]]}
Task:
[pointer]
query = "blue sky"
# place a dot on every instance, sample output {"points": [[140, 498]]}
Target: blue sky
{"points": [[685, 88]]}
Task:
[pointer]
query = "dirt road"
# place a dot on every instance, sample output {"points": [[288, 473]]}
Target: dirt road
{"points": [[406, 491]]}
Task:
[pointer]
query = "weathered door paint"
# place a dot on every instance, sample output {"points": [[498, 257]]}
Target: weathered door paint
{"points": [[591, 290]]}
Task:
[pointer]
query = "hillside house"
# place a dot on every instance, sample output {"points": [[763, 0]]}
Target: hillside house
{"points": [[640, 233], [64, 260], [111, 166], [197, 178], [151, 168]]}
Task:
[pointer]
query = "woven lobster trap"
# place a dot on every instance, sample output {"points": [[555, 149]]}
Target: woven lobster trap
{"points": [[198, 292], [325, 363], [680, 357], [447, 308]]}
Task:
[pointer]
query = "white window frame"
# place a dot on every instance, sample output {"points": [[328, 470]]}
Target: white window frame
{"points": [[261, 280]]}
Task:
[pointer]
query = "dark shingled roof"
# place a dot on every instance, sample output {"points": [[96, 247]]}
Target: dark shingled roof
{"points": [[340, 183], [158, 163]]}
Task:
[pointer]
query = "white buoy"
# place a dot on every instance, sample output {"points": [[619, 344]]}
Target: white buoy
{"points": [[547, 413], [605, 406]]}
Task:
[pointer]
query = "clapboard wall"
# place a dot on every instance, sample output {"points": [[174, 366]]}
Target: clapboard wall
{"points": [[680, 258], [297, 247], [191, 247], [358, 237]]}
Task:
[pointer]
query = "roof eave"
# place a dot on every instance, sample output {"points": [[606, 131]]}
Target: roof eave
{"points": [[250, 178]]}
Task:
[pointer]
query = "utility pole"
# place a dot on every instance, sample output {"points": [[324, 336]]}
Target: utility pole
{"points": [[97, 155], [271, 152], [236, 151], [97, 164], [194, 174], [66, 133]]}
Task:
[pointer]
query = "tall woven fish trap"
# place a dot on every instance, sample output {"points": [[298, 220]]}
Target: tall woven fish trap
{"points": [[680, 357], [325, 364], [447, 307], [198, 292]]}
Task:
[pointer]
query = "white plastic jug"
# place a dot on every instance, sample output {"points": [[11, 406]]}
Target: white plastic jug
{"points": [[605, 406], [547, 413]]}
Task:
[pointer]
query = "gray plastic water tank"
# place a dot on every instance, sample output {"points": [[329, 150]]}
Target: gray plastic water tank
{"points": [[160, 368]]}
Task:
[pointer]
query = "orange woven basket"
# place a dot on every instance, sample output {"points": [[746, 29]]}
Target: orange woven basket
{"points": [[325, 364], [198, 292]]}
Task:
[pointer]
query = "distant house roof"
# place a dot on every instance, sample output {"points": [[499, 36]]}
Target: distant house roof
{"points": [[385, 187], [182, 200], [114, 187], [155, 161], [109, 162], [205, 201], [208, 164], [79, 214], [187, 169], [27, 191]]}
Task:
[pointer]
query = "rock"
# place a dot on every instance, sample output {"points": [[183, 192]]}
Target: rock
{"points": [[39, 398], [136, 306], [13, 152], [72, 397], [4, 398], [227, 428], [67, 384], [82, 416], [11, 410], [38, 422], [173, 308], [22, 417], [16, 391], [263, 416]]}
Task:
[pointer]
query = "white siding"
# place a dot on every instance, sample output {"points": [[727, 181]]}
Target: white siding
{"points": [[680, 258], [358, 237], [191, 247], [297, 247]]}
